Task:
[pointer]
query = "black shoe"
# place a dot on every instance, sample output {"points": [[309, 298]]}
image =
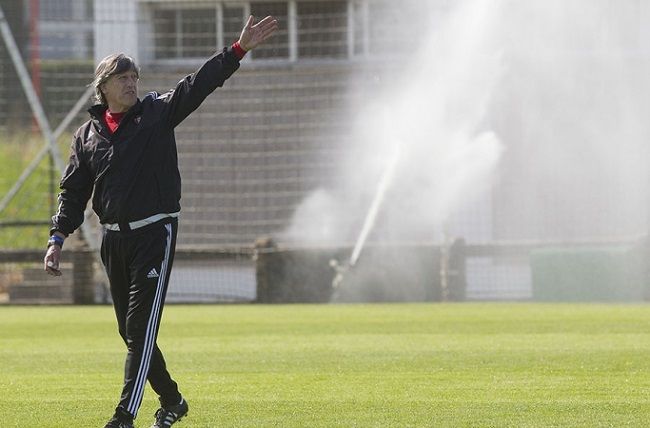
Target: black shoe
{"points": [[166, 417], [117, 423]]}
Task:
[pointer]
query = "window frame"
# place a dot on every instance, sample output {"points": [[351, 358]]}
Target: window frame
{"points": [[353, 8]]}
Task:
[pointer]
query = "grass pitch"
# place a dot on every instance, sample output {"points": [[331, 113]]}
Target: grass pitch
{"points": [[401, 365]]}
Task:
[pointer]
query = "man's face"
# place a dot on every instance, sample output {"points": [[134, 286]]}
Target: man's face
{"points": [[121, 91]]}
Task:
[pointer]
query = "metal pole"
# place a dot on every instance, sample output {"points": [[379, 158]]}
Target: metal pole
{"points": [[25, 81], [35, 51], [37, 110], [81, 102], [52, 191]]}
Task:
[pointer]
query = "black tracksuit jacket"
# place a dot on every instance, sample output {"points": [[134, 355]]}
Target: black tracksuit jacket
{"points": [[134, 172]]}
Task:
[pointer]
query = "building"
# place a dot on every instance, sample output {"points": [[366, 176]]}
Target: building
{"points": [[297, 93]]}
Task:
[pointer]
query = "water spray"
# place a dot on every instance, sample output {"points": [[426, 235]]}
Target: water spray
{"points": [[369, 222]]}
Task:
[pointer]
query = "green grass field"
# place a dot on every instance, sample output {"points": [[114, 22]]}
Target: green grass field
{"points": [[401, 365]]}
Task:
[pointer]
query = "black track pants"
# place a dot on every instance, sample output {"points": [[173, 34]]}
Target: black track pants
{"points": [[138, 264]]}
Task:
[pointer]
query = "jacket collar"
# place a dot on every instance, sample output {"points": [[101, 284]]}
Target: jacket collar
{"points": [[97, 111]]}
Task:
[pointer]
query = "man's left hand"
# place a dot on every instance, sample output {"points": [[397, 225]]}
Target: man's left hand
{"points": [[255, 33]]}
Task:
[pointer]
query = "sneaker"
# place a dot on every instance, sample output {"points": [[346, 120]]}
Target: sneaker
{"points": [[166, 417], [117, 423]]}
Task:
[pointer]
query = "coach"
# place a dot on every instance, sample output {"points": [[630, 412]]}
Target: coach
{"points": [[125, 156]]}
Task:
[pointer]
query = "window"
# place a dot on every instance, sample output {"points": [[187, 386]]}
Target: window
{"points": [[65, 28], [322, 29], [308, 29], [278, 46], [359, 33], [164, 28], [233, 22], [198, 31], [55, 10], [185, 33], [382, 16]]}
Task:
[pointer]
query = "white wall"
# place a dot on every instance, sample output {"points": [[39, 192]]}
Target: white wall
{"points": [[116, 28]]}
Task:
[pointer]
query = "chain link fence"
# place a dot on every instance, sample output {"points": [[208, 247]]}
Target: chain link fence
{"points": [[291, 147]]}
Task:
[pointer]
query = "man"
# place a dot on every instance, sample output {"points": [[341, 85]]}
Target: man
{"points": [[125, 156]]}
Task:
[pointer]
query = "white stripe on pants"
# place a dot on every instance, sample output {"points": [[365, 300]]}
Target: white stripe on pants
{"points": [[151, 333]]}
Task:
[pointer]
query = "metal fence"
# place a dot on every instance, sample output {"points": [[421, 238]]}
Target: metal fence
{"points": [[295, 144]]}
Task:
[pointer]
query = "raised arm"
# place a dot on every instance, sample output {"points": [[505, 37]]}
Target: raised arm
{"points": [[193, 89]]}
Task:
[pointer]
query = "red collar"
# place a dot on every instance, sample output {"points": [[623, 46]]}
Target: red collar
{"points": [[113, 119]]}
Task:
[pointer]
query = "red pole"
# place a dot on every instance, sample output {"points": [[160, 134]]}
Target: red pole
{"points": [[35, 51]]}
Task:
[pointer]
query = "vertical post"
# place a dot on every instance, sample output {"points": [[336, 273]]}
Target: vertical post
{"points": [[268, 271], [444, 270], [178, 30], [351, 30], [35, 43], [366, 27], [34, 54], [52, 189], [220, 25], [456, 273], [83, 289], [292, 28]]}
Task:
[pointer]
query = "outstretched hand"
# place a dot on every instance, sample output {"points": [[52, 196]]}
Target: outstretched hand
{"points": [[253, 34]]}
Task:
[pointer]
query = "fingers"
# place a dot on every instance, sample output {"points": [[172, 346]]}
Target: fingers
{"points": [[250, 21], [266, 34], [52, 268], [265, 28], [266, 24], [254, 34], [266, 21], [52, 271], [51, 260]]}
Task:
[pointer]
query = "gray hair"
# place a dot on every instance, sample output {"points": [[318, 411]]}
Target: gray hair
{"points": [[109, 66]]}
